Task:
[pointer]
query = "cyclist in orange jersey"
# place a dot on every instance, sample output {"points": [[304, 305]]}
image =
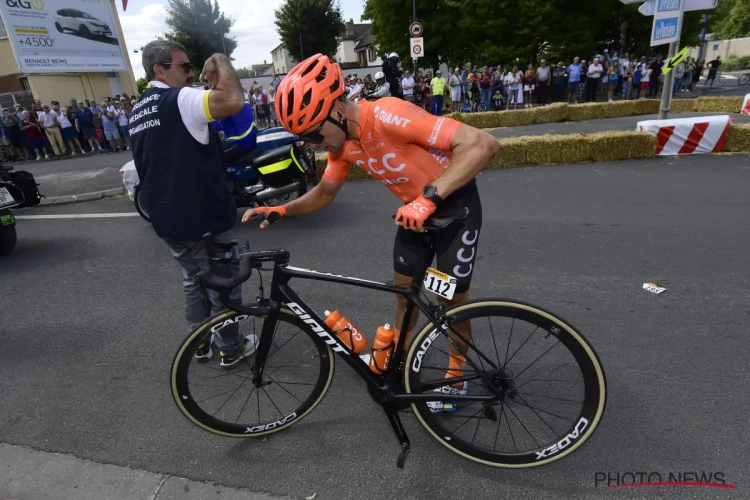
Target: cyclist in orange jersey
{"points": [[430, 162]]}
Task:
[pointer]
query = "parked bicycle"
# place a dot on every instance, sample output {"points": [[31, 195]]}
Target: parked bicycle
{"points": [[536, 388]]}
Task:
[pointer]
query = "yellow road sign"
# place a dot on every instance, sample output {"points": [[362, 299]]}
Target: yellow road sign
{"points": [[674, 61]]}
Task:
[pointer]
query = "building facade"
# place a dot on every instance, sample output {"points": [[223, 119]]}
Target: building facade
{"points": [[16, 86]]}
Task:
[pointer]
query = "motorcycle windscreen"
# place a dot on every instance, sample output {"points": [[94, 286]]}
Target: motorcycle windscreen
{"points": [[280, 166]]}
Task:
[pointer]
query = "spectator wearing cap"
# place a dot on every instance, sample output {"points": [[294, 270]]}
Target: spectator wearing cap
{"points": [[122, 122], [437, 85], [108, 116], [50, 124], [84, 122]]}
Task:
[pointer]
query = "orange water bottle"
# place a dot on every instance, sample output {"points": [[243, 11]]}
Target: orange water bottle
{"points": [[347, 332], [382, 348]]}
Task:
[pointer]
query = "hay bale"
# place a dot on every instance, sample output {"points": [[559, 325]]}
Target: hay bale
{"points": [[718, 104], [609, 146], [587, 111], [555, 112], [645, 106], [738, 139], [682, 105], [542, 150]]}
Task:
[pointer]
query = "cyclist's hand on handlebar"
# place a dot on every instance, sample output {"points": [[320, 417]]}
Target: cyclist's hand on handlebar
{"points": [[413, 215], [269, 214]]}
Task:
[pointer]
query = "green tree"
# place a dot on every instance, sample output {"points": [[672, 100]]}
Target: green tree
{"points": [[200, 27], [731, 19], [141, 84], [243, 72], [308, 27], [509, 31]]}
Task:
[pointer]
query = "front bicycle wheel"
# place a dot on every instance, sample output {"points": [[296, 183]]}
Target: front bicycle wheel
{"points": [[743, 79], [298, 370], [548, 383]]}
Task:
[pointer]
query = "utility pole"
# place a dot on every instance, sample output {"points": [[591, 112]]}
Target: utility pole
{"points": [[703, 37], [414, 19], [666, 93]]}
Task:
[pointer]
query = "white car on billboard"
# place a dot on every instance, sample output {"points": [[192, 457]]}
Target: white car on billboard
{"points": [[81, 23]]}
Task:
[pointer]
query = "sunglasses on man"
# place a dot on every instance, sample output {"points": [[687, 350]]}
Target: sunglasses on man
{"points": [[187, 67]]}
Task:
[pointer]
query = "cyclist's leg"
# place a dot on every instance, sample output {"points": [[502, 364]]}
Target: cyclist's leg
{"points": [[456, 255], [193, 257], [407, 250]]}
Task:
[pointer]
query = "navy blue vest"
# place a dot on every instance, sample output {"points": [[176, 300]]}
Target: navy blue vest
{"points": [[182, 181]]}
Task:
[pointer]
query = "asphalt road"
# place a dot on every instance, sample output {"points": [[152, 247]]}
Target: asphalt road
{"points": [[80, 174], [92, 315], [591, 126]]}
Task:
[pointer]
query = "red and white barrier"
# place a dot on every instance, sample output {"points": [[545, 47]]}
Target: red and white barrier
{"points": [[746, 105], [682, 136]]}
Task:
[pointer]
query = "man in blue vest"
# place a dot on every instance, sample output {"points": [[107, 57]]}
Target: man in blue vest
{"points": [[180, 165]]}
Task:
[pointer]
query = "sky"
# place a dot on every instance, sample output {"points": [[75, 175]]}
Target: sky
{"points": [[254, 26]]}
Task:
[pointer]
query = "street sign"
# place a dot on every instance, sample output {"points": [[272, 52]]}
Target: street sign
{"points": [[671, 63], [649, 8], [415, 29], [667, 21], [416, 45]]}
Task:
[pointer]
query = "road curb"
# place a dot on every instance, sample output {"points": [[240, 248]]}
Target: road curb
{"points": [[81, 197]]}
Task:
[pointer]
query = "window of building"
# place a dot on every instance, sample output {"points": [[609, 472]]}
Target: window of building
{"points": [[25, 84], [371, 53]]}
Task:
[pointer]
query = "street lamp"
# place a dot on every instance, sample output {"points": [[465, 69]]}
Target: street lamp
{"points": [[221, 32]]}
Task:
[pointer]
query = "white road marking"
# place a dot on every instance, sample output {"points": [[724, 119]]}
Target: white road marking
{"points": [[77, 216]]}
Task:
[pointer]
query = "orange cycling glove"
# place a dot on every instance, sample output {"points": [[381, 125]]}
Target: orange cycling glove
{"points": [[415, 213], [270, 214]]}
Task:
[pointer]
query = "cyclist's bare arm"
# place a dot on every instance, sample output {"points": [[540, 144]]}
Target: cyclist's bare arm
{"points": [[472, 149], [318, 197]]}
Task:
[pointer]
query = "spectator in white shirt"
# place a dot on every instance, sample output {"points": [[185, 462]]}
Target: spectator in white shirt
{"points": [[48, 121], [407, 85], [68, 131], [122, 122], [594, 75]]}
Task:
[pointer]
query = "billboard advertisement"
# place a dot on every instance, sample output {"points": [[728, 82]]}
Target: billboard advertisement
{"points": [[54, 36]]}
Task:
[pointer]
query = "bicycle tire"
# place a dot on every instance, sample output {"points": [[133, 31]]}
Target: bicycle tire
{"points": [[482, 107], [466, 108], [572, 438], [183, 397], [743, 79]]}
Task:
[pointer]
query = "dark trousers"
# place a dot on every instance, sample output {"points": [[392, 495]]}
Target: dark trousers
{"points": [[592, 84], [653, 86], [541, 93], [436, 105], [557, 92], [618, 90]]}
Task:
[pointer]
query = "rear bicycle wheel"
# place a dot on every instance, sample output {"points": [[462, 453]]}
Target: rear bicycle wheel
{"points": [[552, 388], [298, 371], [743, 79]]}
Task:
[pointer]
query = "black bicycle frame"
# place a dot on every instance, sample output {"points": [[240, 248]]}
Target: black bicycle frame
{"points": [[380, 385]]}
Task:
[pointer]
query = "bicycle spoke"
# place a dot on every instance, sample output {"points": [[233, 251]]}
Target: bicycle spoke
{"points": [[499, 421], [540, 418], [510, 337], [524, 428], [550, 397], [284, 388], [245, 404], [492, 334], [481, 414], [537, 359], [231, 396], [474, 415], [271, 400], [532, 408], [521, 347]]}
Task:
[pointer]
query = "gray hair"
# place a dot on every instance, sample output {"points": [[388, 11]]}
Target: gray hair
{"points": [[158, 51]]}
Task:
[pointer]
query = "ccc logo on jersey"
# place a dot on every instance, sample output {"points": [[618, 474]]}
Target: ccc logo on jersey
{"points": [[24, 4]]}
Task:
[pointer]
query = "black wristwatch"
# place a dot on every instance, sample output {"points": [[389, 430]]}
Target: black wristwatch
{"points": [[430, 192]]}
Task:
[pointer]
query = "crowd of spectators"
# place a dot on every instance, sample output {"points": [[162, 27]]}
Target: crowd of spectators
{"points": [[77, 128]]}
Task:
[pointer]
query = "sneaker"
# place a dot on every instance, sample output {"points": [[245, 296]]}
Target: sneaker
{"points": [[447, 406], [204, 352], [46, 156], [251, 343], [38, 158]]}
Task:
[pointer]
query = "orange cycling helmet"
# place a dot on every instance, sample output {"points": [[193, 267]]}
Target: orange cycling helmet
{"points": [[307, 93]]}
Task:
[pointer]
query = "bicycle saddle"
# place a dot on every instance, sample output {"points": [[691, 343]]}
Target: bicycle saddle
{"points": [[442, 220]]}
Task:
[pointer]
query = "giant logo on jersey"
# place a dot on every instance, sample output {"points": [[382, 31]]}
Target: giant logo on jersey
{"points": [[385, 116]]}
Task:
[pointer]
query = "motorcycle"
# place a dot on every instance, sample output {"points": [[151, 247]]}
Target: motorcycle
{"points": [[276, 172], [17, 190]]}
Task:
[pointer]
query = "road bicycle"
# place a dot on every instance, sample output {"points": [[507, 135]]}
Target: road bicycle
{"points": [[536, 390]]}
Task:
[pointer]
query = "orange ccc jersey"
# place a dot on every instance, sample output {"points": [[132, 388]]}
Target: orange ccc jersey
{"points": [[399, 144]]}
